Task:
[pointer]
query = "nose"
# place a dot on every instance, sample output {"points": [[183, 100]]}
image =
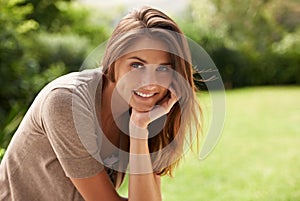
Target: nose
{"points": [[149, 87], [149, 77]]}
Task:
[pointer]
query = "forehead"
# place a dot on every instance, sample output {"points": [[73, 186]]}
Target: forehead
{"points": [[148, 49], [149, 56], [146, 43]]}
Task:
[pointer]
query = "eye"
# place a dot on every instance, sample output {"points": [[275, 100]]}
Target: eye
{"points": [[163, 68], [137, 65]]}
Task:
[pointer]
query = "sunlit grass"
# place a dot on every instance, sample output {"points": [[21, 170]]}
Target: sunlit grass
{"points": [[257, 157]]}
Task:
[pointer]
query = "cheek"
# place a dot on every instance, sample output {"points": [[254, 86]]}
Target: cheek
{"points": [[124, 88], [126, 83], [164, 80]]}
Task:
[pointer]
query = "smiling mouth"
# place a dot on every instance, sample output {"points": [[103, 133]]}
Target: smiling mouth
{"points": [[143, 95]]}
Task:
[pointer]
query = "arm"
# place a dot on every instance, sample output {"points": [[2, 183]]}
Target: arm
{"points": [[144, 184], [97, 188]]}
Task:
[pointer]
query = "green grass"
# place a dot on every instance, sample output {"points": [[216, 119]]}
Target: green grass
{"points": [[257, 157]]}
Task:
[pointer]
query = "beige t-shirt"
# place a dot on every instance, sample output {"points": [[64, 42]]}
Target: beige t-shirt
{"points": [[57, 139]]}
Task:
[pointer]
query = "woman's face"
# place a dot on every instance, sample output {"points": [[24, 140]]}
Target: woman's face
{"points": [[144, 75]]}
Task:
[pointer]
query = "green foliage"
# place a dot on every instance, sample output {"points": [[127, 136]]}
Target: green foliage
{"points": [[2, 151], [45, 13], [69, 49], [13, 26], [40, 40], [251, 42]]}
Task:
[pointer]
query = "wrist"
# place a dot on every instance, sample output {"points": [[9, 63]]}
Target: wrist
{"points": [[137, 132]]}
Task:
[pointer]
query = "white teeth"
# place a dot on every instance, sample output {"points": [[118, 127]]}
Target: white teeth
{"points": [[144, 95]]}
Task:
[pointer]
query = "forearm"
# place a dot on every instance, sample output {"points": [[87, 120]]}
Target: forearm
{"points": [[143, 184]]}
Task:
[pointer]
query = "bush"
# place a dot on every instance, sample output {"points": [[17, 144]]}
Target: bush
{"points": [[69, 49], [36, 48], [252, 43]]}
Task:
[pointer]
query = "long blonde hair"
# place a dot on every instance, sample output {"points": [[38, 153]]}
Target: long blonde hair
{"points": [[182, 123]]}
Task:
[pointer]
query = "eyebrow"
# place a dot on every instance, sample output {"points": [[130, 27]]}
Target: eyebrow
{"points": [[144, 61]]}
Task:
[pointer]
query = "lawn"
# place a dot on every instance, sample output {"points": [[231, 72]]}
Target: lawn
{"points": [[257, 157]]}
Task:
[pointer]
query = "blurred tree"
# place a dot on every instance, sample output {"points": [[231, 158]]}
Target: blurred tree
{"points": [[46, 13], [13, 28], [40, 40], [244, 38]]}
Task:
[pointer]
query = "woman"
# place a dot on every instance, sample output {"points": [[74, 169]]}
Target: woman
{"points": [[85, 130]]}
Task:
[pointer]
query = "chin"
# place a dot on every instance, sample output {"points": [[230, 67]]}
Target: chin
{"points": [[142, 108]]}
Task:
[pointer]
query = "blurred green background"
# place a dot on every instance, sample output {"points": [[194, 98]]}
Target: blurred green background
{"points": [[255, 45]]}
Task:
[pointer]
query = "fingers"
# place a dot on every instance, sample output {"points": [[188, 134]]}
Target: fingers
{"points": [[174, 97], [160, 110], [157, 112]]}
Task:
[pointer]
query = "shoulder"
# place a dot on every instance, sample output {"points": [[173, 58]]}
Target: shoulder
{"points": [[56, 109], [71, 88], [76, 79]]}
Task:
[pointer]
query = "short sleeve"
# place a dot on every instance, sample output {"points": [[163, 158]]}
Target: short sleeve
{"points": [[69, 123]]}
